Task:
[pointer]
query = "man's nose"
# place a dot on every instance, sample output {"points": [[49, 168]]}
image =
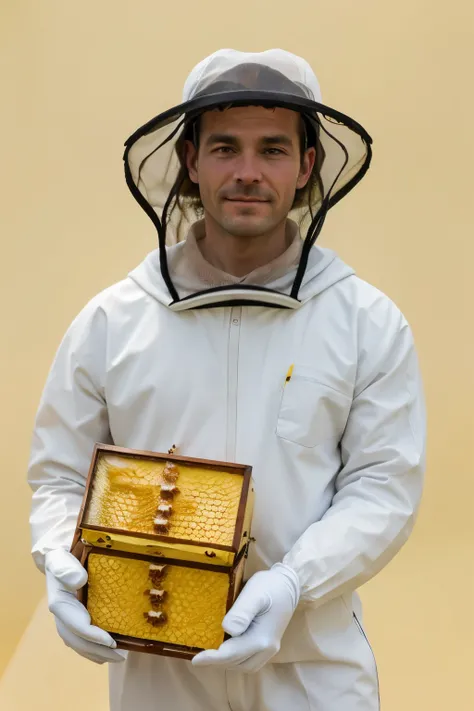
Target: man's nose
{"points": [[247, 170]]}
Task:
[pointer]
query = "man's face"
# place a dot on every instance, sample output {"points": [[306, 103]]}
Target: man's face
{"points": [[248, 167]]}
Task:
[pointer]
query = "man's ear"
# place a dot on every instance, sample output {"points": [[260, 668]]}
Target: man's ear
{"points": [[307, 165], [191, 154]]}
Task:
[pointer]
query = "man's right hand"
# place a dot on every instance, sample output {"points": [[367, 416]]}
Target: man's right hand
{"points": [[64, 576]]}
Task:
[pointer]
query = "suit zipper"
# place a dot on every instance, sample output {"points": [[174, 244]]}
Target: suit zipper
{"points": [[361, 630], [235, 319]]}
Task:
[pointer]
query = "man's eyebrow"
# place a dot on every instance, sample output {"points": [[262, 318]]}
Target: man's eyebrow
{"points": [[220, 138], [281, 139]]}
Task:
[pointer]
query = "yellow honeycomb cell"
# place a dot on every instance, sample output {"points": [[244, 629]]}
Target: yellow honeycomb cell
{"points": [[126, 495], [195, 604]]}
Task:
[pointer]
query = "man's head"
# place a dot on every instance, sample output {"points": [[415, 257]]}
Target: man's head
{"points": [[247, 167]]}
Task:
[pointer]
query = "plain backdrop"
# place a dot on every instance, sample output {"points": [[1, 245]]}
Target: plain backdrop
{"points": [[76, 80]]}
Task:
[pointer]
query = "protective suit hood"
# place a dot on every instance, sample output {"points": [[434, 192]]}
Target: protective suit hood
{"points": [[157, 176], [324, 269]]}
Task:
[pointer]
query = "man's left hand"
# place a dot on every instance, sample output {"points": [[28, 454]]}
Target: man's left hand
{"points": [[256, 621]]}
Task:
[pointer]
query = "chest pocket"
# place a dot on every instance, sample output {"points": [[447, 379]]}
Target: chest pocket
{"points": [[311, 411]]}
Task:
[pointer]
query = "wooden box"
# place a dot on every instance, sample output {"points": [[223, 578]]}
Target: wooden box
{"points": [[164, 539]]}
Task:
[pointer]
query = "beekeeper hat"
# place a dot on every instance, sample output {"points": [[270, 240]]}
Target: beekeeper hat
{"points": [[233, 78]]}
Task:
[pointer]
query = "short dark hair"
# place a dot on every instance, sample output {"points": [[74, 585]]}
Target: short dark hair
{"points": [[187, 194]]}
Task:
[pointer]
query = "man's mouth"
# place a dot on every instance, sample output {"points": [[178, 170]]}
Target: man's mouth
{"points": [[243, 199]]}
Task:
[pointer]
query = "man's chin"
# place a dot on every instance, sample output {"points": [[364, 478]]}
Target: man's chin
{"points": [[247, 226]]}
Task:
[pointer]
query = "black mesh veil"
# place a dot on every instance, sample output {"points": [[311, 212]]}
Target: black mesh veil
{"points": [[152, 164]]}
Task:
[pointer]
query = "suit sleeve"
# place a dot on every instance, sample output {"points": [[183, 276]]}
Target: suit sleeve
{"points": [[378, 489], [71, 418]]}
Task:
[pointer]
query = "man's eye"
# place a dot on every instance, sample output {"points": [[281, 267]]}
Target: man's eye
{"points": [[223, 149]]}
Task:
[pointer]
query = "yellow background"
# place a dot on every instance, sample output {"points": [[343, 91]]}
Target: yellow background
{"points": [[77, 79]]}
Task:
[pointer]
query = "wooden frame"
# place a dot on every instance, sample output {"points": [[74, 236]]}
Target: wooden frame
{"points": [[82, 550], [168, 649], [238, 469]]}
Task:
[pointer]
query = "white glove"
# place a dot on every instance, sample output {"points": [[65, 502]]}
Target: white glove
{"points": [[64, 576], [256, 621]]}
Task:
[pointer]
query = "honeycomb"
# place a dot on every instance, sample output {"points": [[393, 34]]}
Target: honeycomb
{"points": [[118, 601], [126, 495]]}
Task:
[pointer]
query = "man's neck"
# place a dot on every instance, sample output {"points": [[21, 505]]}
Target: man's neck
{"points": [[240, 256]]}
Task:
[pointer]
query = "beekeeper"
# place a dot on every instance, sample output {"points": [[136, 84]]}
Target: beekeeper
{"points": [[246, 343]]}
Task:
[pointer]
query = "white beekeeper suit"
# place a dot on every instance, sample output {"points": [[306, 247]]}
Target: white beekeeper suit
{"points": [[337, 447]]}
